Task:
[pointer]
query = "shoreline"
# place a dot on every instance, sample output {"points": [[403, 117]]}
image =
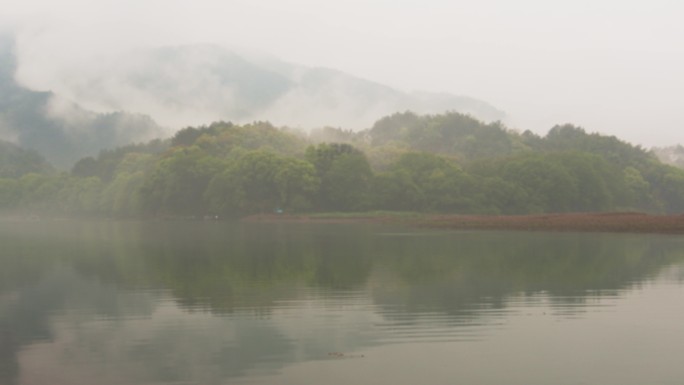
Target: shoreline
{"points": [[604, 222], [616, 222]]}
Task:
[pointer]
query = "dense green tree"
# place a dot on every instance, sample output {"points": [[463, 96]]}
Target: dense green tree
{"points": [[638, 190], [86, 167], [548, 185], [188, 136], [177, 183], [497, 196], [434, 163], [393, 128], [672, 190], [442, 182], [297, 184], [245, 186], [222, 138], [397, 191], [571, 138], [81, 195], [9, 193], [106, 163], [41, 193], [450, 133], [16, 161], [262, 182], [121, 197], [345, 176], [599, 186]]}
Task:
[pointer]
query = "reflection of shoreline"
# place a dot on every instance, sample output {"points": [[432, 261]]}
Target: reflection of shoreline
{"points": [[584, 222], [223, 302], [577, 222]]}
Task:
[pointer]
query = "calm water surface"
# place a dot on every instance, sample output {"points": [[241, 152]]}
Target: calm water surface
{"points": [[224, 303]]}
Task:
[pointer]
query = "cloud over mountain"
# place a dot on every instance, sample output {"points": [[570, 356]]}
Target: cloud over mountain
{"points": [[56, 127], [196, 84], [80, 109]]}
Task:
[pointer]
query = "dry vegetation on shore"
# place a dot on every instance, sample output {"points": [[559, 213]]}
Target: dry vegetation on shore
{"points": [[584, 222]]}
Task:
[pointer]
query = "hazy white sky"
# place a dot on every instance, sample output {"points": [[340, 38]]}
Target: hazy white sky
{"points": [[613, 66]]}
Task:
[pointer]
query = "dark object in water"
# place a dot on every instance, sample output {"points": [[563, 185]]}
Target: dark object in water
{"points": [[342, 355]]}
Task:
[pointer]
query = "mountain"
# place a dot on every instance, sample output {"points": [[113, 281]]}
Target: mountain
{"points": [[57, 128], [198, 84], [192, 85]]}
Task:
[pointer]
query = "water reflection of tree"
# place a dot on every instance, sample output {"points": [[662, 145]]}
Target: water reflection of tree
{"points": [[471, 271], [220, 267], [223, 268], [227, 268]]}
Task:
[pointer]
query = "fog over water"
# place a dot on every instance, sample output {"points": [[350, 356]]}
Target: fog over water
{"points": [[609, 66]]}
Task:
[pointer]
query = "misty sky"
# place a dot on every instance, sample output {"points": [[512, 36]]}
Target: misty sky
{"points": [[613, 66]]}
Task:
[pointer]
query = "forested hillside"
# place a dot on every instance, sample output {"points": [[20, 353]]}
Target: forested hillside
{"points": [[449, 163]]}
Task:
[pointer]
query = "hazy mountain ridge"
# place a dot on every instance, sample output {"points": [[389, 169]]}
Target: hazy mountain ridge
{"points": [[57, 128], [195, 84], [192, 85]]}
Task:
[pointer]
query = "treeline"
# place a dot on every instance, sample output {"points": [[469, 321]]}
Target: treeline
{"points": [[673, 155], [449, 163]]}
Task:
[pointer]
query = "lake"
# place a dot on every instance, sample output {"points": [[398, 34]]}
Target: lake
{"points": [[230, 303]]}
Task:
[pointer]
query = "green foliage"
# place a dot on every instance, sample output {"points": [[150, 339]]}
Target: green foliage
{"points": [[297, 184], [668, 185], [262, 182], [9, 193], [81, 195], [638, 190], [41, 193], [121, 197], [558, 182], [571, 138], [451, 133], [345, 176], [548, 185], [188, 136], [220, 139], [16, 161], [106, 163], [497, 196], [422, 181], [673, 191], [177, 183], [433, 163]]}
